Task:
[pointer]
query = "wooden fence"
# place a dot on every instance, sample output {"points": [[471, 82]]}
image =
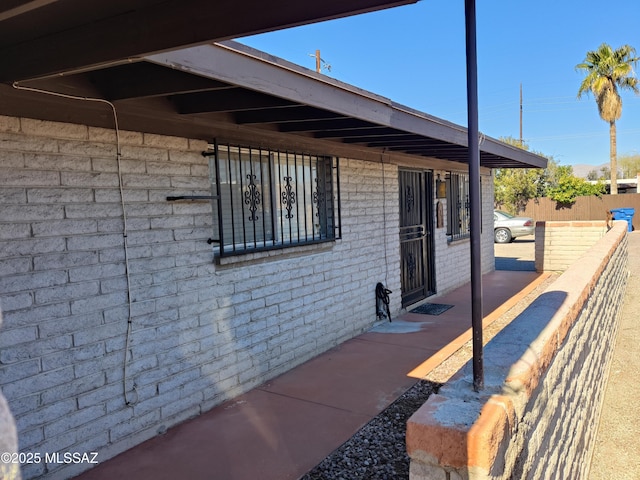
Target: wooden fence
{"points": [[584, 208]]}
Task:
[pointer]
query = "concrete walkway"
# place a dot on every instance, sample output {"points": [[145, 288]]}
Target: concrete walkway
{"points": [[617, 451], [284, 428]]}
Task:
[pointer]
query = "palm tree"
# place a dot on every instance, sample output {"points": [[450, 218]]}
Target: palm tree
{"points": [[608, 70]]}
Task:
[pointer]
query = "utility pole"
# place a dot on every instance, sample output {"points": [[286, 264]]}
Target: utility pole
{"points": [[320, 63], [521, 144]]}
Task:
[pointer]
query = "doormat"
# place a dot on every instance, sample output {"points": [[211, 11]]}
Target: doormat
{"points": [[432, 308]]}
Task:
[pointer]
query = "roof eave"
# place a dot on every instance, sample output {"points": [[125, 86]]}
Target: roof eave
{"points": [[246, 67], [47, 37]]}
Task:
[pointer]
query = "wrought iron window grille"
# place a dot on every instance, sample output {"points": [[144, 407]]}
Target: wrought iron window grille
{"points": [[458, 207], [268, 199]]}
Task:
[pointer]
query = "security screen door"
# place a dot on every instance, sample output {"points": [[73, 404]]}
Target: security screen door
{"points": [[416, 238]]}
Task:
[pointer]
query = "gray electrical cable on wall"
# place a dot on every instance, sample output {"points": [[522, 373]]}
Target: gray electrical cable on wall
{"points": [[124, 229]]}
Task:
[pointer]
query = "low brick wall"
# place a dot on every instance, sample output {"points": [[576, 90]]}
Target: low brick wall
{"points": [[559, 244], [545, 376]]}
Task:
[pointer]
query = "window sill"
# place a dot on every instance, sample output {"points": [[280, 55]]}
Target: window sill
{"points": [[457, 240], [276, 254]]}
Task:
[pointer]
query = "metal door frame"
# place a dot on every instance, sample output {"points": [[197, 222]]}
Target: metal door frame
{"points": [[422, 200]]}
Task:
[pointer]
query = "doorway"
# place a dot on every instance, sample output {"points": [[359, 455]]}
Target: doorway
{"points": [[417, 267]]}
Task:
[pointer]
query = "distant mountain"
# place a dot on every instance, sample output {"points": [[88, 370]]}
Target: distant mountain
{"points": [[582, 170]]}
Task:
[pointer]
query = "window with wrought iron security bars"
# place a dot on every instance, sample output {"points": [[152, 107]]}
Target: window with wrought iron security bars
{"points": [[458, 207], [265, 199]]}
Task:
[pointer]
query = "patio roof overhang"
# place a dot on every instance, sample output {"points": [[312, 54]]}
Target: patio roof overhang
{"points": [[45, 37], [189, 92]]}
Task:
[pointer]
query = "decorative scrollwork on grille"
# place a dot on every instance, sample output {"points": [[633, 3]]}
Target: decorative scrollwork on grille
{"points": [[252, 197], [318, 197], [409, 200], [288, 197], [411, 267]]}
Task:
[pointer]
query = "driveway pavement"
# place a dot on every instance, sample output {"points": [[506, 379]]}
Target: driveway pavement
{"points": [[517, 255]]}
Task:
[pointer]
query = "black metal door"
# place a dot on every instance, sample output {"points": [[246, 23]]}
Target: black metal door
{"points": [[416, 239]]}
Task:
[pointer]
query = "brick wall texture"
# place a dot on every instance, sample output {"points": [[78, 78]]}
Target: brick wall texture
{"points": [[545, 379], [559, 244], [200, 333], [452, 258]]}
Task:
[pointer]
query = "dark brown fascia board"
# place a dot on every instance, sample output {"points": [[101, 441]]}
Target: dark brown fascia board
{"points": [[150, 27], [522, 157], [237, 64], [511, 155]]}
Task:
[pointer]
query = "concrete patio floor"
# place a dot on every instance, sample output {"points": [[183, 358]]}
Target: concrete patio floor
{"points": [[285, 427]]}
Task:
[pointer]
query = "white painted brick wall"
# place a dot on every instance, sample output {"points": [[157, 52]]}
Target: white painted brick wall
{"points": [[201, 333], [453, 259]]}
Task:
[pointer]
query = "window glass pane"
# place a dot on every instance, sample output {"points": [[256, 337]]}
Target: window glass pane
{"points": [[246, 198], [270, 199], [458, 207]]}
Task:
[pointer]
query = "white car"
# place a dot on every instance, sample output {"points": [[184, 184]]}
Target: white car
{"points": [[507, 227]]}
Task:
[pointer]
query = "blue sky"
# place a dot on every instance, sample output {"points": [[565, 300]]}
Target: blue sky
{"points": [[415, 55]]}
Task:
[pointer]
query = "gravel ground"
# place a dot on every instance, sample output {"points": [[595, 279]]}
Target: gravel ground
{"points": [[377, 451], [443, 372]]}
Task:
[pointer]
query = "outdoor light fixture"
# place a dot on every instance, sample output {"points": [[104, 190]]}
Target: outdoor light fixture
{"points": [[441, 188]]}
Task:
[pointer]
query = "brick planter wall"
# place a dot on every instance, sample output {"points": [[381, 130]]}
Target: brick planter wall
{"points": [[559, 244], [545, 375]]}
